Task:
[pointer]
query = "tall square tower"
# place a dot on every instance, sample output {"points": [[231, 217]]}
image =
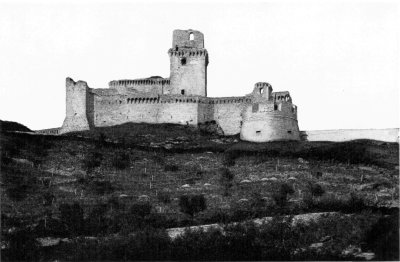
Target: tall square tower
{"points": [[188, 63]]}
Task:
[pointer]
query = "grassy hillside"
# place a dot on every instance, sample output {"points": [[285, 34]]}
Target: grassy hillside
{"points": [[116, 181]]}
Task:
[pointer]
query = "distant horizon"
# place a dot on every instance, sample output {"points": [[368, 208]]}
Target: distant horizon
{"points": [[339, 60]]}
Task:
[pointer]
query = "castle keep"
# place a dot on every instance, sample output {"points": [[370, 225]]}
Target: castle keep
{"points": [[260, 116]]}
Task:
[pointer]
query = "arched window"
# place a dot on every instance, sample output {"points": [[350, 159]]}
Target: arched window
{"points": [[191, 36]]}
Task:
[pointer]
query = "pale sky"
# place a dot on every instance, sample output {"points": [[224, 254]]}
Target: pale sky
{"points": [[338, 59]]}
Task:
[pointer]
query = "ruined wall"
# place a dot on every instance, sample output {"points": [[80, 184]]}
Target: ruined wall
{"points": [[187, 39], [264, 122], [228, 113], [76, 105]]}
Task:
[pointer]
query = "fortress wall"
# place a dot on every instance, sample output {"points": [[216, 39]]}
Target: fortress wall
{"points": [[340, 135], [228, 113], [153, 86], [205, 112], [117, 110]]}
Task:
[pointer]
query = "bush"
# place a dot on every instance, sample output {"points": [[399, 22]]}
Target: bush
{"points": [[102, 187], [192, 204], [141, 209], [327, 203], [226, 180], [72, 217], [92, 160], [383, 238], [281, 196], [18, 183], [164, 197], [22, 246], [171, 168], [316, 190], [121, 160]]}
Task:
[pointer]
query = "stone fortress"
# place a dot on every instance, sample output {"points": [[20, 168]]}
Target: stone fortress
{"points": [[260, 116]]}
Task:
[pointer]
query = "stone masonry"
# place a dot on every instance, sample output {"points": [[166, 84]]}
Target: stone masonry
{"points": [[260, 116]]}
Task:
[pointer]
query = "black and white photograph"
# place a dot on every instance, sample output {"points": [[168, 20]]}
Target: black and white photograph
{"points": [[259, 130]]}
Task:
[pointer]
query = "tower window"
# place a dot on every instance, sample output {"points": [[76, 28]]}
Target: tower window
{"points": [[176, 47], [258, 132], [261, 91], [275, 107], [289, 131], [191, 36], [183, 61], [182, 91]]}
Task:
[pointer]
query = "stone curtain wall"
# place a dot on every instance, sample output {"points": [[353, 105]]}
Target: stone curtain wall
{"points": [[228, 113], [117, 110], [155, 86]]}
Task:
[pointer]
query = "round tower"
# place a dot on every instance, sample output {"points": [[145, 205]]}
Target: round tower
{"points": [[188, 64]]}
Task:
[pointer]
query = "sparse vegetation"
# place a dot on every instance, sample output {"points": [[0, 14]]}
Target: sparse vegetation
{"points": [[125, 192]]}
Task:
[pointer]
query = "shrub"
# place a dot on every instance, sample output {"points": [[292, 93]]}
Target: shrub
{"points": [[141, 209], [92, 160], [102, 187], [164, 197], [171, 168], [121, 160], [22, 246], [192, 204], [316, 190], [18, 183], [383, 238], [72, 217], [226, 179], [281, 196]]}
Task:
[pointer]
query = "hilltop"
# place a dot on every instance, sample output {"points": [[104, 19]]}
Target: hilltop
{"points": [[115, 181]]}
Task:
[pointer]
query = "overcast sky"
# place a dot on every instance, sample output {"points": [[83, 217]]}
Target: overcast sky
{"points": [[338, 59]]}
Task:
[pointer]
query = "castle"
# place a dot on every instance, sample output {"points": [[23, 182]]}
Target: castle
{"points": [[260, 116]]}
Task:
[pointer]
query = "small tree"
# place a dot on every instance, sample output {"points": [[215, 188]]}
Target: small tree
{"points": [[192, 204], [316, 190], [226, 180], [281, 196]]}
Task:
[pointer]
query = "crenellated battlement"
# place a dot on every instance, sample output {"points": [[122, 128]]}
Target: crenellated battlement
{"points": [[138, 82], [180, 53]]}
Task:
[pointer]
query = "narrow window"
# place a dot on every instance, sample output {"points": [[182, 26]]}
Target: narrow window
{"points": [[289, 131], [258, 132], [182, 91], [261, 91], [183, 61], [191, 36], [275, 107], [176, 47]]}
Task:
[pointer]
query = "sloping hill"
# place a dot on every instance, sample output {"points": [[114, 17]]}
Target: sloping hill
{"points": [[13, 126]]}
